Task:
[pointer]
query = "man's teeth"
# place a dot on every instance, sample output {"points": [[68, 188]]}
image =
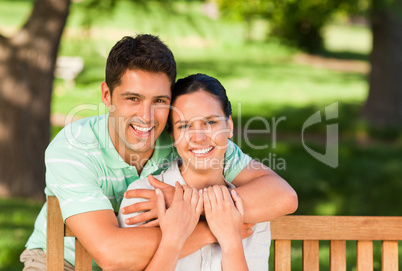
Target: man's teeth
{"points": [[202, 151], [142, 129]]}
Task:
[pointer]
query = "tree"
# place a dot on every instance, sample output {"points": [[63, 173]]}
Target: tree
{"points": [[27, 62], [384, 103]]}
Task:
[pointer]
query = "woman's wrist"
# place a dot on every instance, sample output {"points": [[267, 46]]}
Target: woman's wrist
{"points": [[232, 243]]}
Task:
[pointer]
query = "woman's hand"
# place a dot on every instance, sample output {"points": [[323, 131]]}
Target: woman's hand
{"points": [[179, 221], [224, 217], [225, 220]]}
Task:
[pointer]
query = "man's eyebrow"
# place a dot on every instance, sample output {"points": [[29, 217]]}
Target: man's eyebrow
{"points": [[124, 94], [208, 117], [128, 93]]}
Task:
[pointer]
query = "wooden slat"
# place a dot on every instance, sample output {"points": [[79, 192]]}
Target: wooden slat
{"points": [[311, 255], [336, 228], [68, 232], [83, 261], [390, 255], [337, 256], [282, 260], [55, 236], [364, 256]]}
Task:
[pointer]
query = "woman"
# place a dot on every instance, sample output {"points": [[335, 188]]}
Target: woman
{"points": [[201, 125]]}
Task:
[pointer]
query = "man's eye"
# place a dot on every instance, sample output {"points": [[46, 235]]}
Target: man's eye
{"points": [[210, 122], [133, 99], [160, 101]]}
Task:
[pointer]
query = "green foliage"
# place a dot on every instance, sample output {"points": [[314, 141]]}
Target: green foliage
{"points": [[299, 23], [264, 78], [17, 218]]}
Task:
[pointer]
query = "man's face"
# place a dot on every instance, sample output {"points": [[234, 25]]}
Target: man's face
{"points": [[138, 111]]}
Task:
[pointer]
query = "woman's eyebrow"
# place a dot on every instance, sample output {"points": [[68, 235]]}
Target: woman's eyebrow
{"points": [[208, 117]]}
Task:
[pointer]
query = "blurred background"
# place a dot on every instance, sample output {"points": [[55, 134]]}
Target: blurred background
{"points": [[281, 61]]}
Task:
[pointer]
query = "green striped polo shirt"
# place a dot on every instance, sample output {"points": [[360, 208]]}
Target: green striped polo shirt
{"points": [[86, 173]]}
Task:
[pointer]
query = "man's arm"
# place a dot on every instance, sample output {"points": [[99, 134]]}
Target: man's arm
{"points": [[115, 248], [265, 194]]}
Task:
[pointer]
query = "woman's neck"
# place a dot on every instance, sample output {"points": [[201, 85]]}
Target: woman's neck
{"points": [[204, 178]]}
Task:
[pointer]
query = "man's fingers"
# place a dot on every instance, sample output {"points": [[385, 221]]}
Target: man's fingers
{"points": [[143, 217], [153, 223], [156, 183], [139, 193], [138, 207]]}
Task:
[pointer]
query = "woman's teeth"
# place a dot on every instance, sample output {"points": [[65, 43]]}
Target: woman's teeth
{"points": [[202, 151]]}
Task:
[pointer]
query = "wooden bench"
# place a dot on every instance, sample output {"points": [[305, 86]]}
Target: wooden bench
{"points": [[309, 229]]}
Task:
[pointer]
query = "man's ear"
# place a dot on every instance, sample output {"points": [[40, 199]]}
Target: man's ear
{"points": [[106, 95], [230, 122]]}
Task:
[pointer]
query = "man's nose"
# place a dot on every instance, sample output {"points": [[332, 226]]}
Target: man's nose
{"points": [[145, 112]]}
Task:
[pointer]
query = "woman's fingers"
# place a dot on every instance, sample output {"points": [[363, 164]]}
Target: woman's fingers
{"points": [[200, 203], [194, 197], [218, 193], [212, 197], [226, 194], [238, 202], [178, 194], [160, 202], [207, 202]]}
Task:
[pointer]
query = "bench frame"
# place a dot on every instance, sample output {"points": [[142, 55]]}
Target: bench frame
{"points": [[309, 229]]}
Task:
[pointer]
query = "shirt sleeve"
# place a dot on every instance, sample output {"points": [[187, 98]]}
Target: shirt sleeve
{"points": [[235, 161], [71, 177]]}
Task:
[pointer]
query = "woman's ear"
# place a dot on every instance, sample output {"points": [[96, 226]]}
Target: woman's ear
{"points": [[230, 122], [106, 94]]}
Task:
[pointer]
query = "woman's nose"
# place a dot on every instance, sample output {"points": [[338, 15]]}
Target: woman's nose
{"points": [[198, 135]]}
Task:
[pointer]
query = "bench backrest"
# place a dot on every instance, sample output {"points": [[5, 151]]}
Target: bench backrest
{"points": [[338, 230], [56, 231], [309, 229]]}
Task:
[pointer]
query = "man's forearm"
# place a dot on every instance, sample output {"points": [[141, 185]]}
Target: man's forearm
{"points": [[266, 198], [200, 237], [133, 248]]}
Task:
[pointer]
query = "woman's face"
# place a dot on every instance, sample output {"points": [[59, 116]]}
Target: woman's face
{"points": [[200, 130]]}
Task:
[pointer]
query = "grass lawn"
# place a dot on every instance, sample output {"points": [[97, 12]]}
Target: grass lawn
{"points": [[262, 79]]}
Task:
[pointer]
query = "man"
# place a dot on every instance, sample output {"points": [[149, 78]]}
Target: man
{"points": [[91, 162]]}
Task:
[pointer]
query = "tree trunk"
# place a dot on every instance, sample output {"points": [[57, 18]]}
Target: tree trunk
{"points": [[384, 104], [27, 63]]}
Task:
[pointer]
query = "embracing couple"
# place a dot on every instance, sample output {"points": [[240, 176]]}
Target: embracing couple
{"points": [[188, 198]]}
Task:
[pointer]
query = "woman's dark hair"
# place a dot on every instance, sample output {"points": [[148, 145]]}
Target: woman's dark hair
{"points": [[144, 52], [197, 82]]}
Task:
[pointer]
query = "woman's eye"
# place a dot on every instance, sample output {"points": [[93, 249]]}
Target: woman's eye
{"points": [[185, 126], [210, 122]]}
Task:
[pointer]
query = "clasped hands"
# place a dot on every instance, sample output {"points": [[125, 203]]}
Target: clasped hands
{"points": [[179, 208]]}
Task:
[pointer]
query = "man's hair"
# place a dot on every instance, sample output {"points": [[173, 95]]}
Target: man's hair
{"points": [[143, 52]]}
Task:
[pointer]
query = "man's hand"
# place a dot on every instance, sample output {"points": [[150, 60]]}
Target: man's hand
{"points": [[149, 207]]}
